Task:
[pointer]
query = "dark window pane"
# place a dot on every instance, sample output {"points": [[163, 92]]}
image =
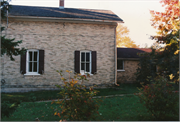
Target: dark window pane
{"points": [[30, 56], [87, 67], [30, 66], [120, 64], [87, 57], [35, 56], [82, 66], [82, 56], [35, 67]]}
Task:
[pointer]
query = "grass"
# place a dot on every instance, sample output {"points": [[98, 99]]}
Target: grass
{"points": [[29, 111], [122, 89], [27, 96], [125, 108], [49, 95]]}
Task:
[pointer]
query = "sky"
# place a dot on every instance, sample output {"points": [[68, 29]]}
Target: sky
{"points": [[135, 13]]}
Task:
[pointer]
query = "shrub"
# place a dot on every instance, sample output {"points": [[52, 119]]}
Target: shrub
{"points": [[159, 98], [7, 108], [77, 103]]}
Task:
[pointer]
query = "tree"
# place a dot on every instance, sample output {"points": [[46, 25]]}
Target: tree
{"points": [[9, 46], [168, 27], [157, 46], [146, 70], [167, 23], [122, 39]]}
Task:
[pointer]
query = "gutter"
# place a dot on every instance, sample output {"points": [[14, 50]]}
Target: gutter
{"points": [[72, 20]]}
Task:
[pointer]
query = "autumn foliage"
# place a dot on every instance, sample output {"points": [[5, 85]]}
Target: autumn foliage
{"points": [[167, 24], [158, 95], [122, 38], [77, 103]]}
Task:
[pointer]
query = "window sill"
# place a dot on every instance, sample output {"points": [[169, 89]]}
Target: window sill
{"points": [[86, 74], [121, 70], [31, 74]]}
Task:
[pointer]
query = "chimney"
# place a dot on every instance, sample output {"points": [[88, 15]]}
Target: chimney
{"points": [[61, 4]]}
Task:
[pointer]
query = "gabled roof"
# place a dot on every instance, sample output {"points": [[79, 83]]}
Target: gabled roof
{"points": [[16, 10], [131, 53]]}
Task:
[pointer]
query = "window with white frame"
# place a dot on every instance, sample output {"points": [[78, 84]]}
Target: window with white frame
{"points": [[32, 60], [120, 65], [85, 62]]}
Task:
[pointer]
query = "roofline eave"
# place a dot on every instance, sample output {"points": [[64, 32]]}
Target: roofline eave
{"points": [[72, 20]]}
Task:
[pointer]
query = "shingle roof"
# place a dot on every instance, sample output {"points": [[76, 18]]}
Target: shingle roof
{"points": [[16, 10], [131, 52]]}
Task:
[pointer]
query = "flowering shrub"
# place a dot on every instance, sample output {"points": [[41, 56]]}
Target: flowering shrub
{"points": [[159, 98], [77, 103]]}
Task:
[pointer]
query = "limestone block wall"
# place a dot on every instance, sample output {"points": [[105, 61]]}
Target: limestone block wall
{"points": [[128, 75], [60, 40]]}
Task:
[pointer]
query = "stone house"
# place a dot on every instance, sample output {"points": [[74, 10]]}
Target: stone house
{"points": [[127, 63], [78, 40]]}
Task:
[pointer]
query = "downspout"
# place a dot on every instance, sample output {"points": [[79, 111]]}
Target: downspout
{"points": [[115, 57]]}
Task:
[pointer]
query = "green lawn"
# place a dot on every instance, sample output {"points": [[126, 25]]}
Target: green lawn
{"points": [[122, 89], [125, 108], [28, 96], [49, 95]]}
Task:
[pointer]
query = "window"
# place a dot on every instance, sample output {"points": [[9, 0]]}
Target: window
{"points": [[32, 62], [85, 62], [32, 65], [120, 65]]}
